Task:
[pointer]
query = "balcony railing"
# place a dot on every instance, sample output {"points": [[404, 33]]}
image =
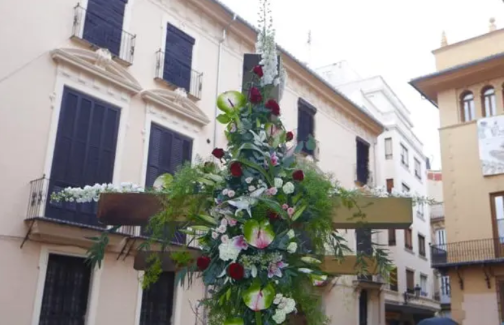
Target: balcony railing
{"points": [[468, 252], [177, 75], [98, 32], [79, 214]]}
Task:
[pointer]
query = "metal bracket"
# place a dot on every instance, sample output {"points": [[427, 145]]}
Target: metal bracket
{"points": [[27, 234], [461, 281], [129, 249], [123, 248], [488, 273]]}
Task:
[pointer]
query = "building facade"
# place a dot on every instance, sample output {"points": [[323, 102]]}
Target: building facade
{"points": [[467, 89], [401, 165], [123, 91]]}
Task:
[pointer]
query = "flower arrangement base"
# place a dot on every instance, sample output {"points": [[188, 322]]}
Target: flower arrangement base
{"points": [[128, 209]]}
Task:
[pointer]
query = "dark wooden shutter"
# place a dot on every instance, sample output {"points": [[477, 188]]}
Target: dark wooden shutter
{"points": [[167, 151], [410, 281], [84, 153], [363, 307], [103, 24], [157, 301], [362, 161], [66, 290], [306, 122], [178, 58], [391, 237]]}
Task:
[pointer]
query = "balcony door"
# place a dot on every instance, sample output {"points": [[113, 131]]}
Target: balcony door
{"points": [[178, 58], [497, 208], [84, 153]]}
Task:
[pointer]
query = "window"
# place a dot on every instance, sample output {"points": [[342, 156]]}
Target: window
{"points": [[410, 281], [167, 151], [178, 58], [498, 215], [420, 210], [421, 245], [467, 112], [393, 279], [392, 238], [445, 285], [440, 237], [404, 156], [423, 285], [306, 123], [418, 169], [388, 148], [405, 188], [363, 307], [488, 99], [66, 290], [84, 153], [363, 239], [408, 242], [362, 161], [390, 185], [157, 301], [103, 24]]}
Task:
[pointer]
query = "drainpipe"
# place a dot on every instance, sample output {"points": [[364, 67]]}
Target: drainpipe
{"points": [[219, 55]]}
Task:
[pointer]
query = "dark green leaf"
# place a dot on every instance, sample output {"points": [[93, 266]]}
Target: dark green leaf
{"points": [[223, 118]]}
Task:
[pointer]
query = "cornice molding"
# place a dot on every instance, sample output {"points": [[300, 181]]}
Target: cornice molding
{"points": [[178, 103], [99, 64]]}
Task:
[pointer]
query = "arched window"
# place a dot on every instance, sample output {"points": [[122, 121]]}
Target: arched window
{"points": [[488, 99], [467, 107]]}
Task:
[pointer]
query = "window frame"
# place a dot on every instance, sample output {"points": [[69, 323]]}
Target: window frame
{"points": [[362, 179], [404, 186], [389, 150], [421, 245], [310, 111], [392, 238], [394, 279], [410, 277], [404, 156], [490, 99], [467, 104], [424, 279], [418, 171], [390, 185], [408, 239]]}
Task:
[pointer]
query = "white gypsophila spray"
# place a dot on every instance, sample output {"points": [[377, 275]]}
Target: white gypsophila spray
{"points": [[266, 46]]}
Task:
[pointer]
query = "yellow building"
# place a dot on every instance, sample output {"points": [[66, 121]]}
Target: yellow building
{"points": [[468, 90]]}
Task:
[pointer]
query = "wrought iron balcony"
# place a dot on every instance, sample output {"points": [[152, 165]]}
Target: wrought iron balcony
{"points": [[41, 207], [178, 75], [98, 32], [482, 251]]}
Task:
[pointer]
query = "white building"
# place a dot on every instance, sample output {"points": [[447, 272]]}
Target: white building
{"points": [[401, 164]]}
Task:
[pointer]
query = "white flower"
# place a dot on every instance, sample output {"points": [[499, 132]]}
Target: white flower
{"points": [[278, 298], [222, 229], [214, 235], [273, 191], [224, 238], [292, 248], [253, 271], [228, 251], [290, 305], [224, 222], [225, 192], [278, 182], [249, 180], [279, 316], [231, 193], [251, 188], [288, 188], [305, 271], [291, 234]]}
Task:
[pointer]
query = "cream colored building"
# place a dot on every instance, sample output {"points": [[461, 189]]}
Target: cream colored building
{"points": [[467, 89], [92, 93]]}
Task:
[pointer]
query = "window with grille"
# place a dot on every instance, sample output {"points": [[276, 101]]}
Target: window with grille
{"points": [[388, 148], [410, 281], [408, 242], [306, 123], [157, 301], [421, 245], [404, 156], [66, 290]]}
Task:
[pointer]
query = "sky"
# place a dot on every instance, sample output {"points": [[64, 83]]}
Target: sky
{"points": [[391, 38]]}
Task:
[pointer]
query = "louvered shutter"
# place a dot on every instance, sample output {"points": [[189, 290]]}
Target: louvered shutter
{"points": [[306, 122], [178, 58], [362, 161], [84, 153], [167, 151], [104, 22], [157, 301], [66, 289]]}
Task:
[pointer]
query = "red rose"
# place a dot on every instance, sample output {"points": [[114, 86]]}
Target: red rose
{"points": [[273, 106], [203, 262], [258, 71], [235, 169], [236, 271], [255, 95], [298, 175], [218, 153], [273, 215], [289, 136]]}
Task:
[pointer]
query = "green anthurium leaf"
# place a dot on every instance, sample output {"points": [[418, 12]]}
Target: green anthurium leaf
{"points": [[163, 181], [231, 101], [224, 119], [258, 234], [207, 218], [311, 143], [298, 213], [278, 138], [234, 321], [257, 298]]}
